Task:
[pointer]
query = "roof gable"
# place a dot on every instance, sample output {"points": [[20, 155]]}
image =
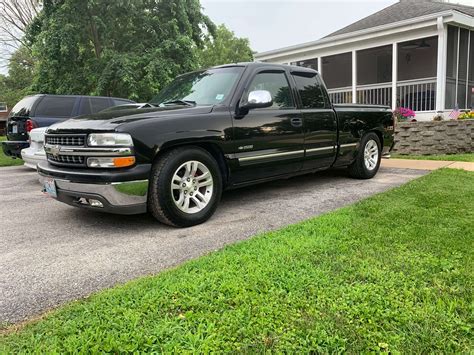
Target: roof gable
{"points": [[403, 10]]}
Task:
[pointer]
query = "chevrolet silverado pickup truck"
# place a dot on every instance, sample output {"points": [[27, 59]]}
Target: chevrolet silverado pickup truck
{"points": [[225, 127]]}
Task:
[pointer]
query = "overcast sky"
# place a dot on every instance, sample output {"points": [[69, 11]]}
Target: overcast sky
{"points": [[271, 24]]}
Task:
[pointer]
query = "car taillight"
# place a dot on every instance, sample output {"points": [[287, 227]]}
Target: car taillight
{"points": [[30, 124]]}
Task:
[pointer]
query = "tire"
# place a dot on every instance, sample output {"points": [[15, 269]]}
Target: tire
{"points": [[174, 203], [367, 161]]}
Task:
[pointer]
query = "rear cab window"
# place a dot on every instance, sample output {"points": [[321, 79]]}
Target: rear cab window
{"points": [[56, 106], [309, 88]]}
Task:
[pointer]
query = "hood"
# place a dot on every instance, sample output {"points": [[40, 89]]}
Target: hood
{"points": [[109, 121]]}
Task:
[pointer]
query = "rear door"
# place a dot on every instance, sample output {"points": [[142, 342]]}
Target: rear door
{"points": [[320, 125], [269, 141]]}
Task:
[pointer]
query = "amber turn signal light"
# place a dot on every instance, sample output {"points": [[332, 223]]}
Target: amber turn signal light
{"points": [[124, 161]]}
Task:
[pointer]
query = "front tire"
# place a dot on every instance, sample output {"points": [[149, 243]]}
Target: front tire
{"points": [[185, 187], [368, 157]]}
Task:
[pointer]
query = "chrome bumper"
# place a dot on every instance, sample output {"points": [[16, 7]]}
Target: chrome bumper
{"points": [[127, 197]]}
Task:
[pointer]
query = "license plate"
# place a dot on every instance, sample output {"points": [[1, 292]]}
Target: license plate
{"points": [[14, 129], [50, 187]]}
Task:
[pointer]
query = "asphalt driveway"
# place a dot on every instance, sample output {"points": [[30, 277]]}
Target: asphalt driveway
{"points": [[51, 253]]}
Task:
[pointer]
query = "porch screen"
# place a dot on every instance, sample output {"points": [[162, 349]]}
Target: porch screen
{"points": [[374, 65], [460, 68], [337, 70]]}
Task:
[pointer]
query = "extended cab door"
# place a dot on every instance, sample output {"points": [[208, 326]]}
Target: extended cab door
{"points": [[268, 141], [320, 125]]}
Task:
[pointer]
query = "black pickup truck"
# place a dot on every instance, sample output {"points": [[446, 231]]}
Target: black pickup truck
{"points": [[210, 130]]}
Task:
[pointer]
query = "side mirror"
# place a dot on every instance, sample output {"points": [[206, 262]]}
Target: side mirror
{"points": [[258, 99]]}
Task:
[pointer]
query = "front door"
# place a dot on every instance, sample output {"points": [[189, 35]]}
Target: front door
{"points": [[269, 141]]}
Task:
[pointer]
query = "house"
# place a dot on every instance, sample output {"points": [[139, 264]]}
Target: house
{"points": [[415, 54], [3, 118]]}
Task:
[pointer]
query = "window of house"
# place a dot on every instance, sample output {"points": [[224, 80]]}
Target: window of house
{"points": [[277, 84], [309, 89], [3, 107]]}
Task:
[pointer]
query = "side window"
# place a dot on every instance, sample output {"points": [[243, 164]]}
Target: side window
{"points": [[92, 105], [277, 85], [118, 102], [310, 90], [99, 104], [55, 106]]}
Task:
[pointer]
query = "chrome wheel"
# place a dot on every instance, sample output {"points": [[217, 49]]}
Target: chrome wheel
{"points": [[192, 187], [371, 154]]}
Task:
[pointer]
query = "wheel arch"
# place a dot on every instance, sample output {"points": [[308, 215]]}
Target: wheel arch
{"points": [[379, 135], [212, 148]]}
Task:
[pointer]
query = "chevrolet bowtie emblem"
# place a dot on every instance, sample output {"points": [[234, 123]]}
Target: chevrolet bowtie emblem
{"points": [[54, 150]]}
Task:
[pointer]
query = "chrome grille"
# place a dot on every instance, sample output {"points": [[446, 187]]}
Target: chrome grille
{"points": [[66, 159], [77, 140]]}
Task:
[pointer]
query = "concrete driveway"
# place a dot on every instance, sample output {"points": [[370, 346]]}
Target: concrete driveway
{"points": [[51, 253]]}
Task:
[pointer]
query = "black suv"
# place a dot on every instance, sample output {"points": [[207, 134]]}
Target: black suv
{"points": [[43, 110]]}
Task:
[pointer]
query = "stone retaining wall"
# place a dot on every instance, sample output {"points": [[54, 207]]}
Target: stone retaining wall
{"points": [[434, 137]]}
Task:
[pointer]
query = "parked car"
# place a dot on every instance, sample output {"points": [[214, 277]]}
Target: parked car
{"points": [[35, 152], [43, 110], [225, 127]]}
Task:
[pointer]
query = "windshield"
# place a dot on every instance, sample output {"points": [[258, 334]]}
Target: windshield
{"points": [[209, 87]]}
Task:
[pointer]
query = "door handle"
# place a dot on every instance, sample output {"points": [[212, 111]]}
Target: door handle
{"points": [[296, 122]]}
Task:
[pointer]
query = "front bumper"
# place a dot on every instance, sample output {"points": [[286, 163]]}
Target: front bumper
{"points": [[120, 192], [13, 148], [32, 157]]}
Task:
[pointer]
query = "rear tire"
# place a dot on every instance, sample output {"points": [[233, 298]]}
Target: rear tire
{"points": [[368, 157], [185, 187]]}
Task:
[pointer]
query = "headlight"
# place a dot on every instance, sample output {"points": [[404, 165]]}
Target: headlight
{"points": [[109, 139]]}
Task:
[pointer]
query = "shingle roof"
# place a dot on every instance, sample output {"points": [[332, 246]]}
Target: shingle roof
{"points": [[403, 10]]}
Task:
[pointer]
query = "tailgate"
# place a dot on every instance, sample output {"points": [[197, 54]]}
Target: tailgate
{"points": [[16, 128]]}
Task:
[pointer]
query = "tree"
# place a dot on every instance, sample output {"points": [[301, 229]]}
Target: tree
{"points": [[15, 17], [20, 77], [126, 48], [224, 48]]}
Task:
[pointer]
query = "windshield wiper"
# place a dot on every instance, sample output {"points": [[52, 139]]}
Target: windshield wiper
{"points": [[179, 102]]}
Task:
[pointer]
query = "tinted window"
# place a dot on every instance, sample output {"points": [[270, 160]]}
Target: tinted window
{"points": [[120, 102], [310, 90], [277, 85], [55, 106], [92, 105], [23, 107]]}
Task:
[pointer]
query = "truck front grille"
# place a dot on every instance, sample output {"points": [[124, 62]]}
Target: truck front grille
{"points": [[68, 140], [75, 160]]}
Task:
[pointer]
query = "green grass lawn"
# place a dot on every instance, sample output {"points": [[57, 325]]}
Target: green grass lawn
{"points": [[392, 273], [469, 157], [7, 161]]}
